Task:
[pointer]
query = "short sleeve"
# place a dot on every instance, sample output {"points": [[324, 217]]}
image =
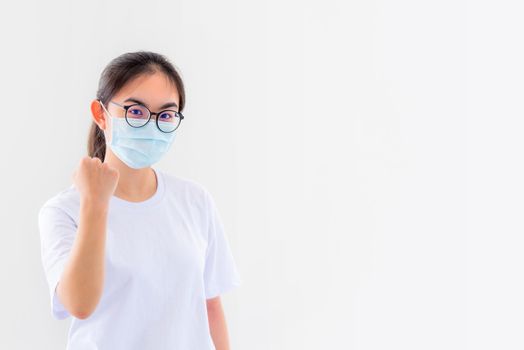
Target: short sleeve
{"points": [[57, 235], [220, 271]]}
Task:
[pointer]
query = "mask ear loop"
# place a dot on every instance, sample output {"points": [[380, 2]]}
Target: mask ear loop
{"points": [[111, 121], [104, 107]]}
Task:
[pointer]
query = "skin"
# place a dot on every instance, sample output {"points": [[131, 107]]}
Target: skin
{"points": [[217, 323], [81, 286]]}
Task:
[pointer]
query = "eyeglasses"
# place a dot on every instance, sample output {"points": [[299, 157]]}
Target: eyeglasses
{"points": [[138, 115]]}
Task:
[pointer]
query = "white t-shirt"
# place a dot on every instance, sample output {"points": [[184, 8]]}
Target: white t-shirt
{"points": [[164, 257]]}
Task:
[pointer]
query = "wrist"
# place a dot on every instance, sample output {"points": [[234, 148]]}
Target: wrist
{"points": [[92, 204]]}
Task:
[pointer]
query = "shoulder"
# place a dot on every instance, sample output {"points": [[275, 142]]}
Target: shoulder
{"points": [[186, 188], [66, 201]]}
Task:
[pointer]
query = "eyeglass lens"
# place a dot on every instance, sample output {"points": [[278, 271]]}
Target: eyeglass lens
{"points": [[138, 115]]}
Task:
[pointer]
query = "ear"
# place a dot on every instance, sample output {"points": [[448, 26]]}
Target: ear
{"points": [[98, 114]]}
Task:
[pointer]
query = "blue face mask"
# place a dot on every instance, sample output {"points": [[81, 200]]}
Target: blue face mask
{"points": [[138, 147]]}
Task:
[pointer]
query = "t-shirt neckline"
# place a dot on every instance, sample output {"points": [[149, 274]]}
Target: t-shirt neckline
{"points": [[155, 198]]}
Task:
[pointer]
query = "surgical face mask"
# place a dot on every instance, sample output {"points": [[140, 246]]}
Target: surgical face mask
{"points": [[138, 147]]}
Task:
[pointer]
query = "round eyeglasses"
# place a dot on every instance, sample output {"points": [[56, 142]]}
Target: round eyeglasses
{"points": [[138, 115]]}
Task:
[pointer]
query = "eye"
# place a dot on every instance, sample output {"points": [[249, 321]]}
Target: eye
{"points": [[138, 112], [166, 116], [135, 111]]}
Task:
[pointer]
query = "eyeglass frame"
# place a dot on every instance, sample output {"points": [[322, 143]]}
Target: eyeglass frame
{"points": [[126, 108]]}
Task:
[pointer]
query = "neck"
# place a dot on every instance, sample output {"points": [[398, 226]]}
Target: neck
{"points": [[134, 185]]}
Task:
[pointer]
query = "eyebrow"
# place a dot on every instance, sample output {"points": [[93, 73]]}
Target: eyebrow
{"points": [[169, 104]]}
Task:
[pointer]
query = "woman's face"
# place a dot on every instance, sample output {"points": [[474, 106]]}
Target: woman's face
{"points": [[155, 91]]}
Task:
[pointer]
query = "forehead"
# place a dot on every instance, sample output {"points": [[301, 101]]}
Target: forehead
{"points": [[154, 89]]}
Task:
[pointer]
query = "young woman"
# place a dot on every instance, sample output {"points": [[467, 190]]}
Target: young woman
{"points": [[137, 256]]}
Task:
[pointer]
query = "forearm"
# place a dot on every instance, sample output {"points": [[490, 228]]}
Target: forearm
{"points": [[81, 285], [218, 327]]}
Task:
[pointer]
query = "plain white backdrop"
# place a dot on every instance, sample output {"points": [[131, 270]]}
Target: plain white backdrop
{"points": [[366, 158]]}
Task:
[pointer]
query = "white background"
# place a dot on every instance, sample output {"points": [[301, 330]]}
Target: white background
{"points": [[366, 157]]}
